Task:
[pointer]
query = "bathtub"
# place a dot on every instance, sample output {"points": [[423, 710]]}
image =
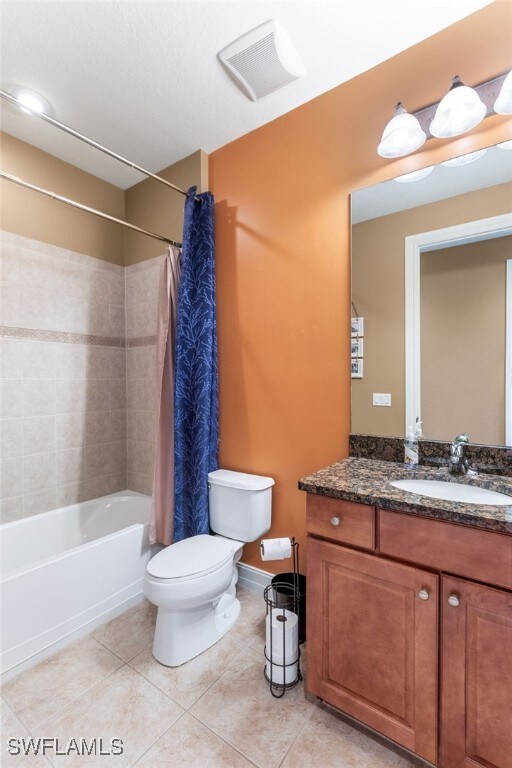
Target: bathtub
{"points": [[67, 571]]}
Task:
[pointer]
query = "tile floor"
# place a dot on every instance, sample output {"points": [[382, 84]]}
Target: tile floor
{"points": [[214, 712]]}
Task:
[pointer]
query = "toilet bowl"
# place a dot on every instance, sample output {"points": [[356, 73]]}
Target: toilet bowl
{"points": [[193, 582]]}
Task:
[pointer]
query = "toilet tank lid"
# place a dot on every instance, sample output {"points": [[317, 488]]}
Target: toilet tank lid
{"points": [[240, 480]]}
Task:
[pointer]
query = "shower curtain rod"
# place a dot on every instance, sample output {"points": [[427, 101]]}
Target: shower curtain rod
{"points": [[86, 208], [72, 132]]}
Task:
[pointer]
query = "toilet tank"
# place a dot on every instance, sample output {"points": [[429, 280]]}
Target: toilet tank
{"points": [[240, 504]]}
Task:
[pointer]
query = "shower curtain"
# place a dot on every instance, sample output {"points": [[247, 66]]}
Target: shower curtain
{"points": [[196, 410], [162, 516]]}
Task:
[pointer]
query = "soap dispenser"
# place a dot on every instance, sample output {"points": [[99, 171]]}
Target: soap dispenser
{"points": [[411, 443]]}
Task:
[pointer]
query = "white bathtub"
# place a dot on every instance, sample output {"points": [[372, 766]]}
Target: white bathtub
{"points": [[67, 571]]}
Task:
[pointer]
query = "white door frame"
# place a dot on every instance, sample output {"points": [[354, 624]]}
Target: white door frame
{"points": [[415, 245]]}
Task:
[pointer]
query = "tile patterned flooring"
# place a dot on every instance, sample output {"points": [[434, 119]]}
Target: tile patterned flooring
{"points": [[213, 712]]}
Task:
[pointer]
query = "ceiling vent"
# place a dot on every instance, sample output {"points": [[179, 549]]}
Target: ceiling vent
{"points": [[263, 60]]}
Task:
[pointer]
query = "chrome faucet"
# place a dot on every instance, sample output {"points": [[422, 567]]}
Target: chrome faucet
{"points": [[459, 465]]}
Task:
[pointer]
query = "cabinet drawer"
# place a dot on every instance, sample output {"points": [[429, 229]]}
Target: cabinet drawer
{"points": [[471, 552], [356, 521]]}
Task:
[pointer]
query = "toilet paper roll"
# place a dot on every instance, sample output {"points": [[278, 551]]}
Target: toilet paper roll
{"points": [[283, 647], [276, 549]]}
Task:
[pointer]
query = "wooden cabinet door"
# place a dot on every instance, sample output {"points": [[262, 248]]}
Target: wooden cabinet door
{"points": [[476, 676], [372, 642]]}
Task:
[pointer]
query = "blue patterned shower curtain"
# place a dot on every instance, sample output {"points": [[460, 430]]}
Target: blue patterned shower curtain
{"points": [[196, 389]]}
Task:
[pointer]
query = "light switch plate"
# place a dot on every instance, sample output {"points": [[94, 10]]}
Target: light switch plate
{"points": [[381, 398]]}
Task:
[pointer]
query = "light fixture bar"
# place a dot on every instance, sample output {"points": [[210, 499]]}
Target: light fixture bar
{"points": [[488, 93]]}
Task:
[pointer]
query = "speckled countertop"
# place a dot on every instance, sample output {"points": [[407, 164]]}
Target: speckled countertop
{"points": [[367, 481]]}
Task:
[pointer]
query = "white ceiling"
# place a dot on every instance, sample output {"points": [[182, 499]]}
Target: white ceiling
{"points": [[143, 77], [495, 167]]}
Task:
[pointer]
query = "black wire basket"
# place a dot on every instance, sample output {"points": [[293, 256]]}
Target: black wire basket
{"points": [[281, 676]]}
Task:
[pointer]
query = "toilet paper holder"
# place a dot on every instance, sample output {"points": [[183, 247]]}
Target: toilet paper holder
{"points": [[282, 662]]}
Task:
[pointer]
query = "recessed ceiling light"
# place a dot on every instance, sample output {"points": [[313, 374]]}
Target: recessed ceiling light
{"points": [[31, 102], [406, 178]]}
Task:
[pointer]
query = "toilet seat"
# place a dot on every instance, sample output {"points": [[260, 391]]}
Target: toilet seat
{"points": [[191, 558]]}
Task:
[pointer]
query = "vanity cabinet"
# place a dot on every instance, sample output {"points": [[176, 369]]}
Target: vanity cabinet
{"points": [[395, 630], [372, 642], [476, 675]]}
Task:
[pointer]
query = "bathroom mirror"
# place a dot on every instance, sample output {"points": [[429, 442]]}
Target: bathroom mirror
{"points": [[432, 301]]}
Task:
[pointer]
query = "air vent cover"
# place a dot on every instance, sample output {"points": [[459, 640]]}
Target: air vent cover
{"points": [[263, 60]]}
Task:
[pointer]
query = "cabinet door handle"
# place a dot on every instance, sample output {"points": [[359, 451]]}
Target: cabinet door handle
{"points": [[424, 594], [335, 520], [454, 601]]}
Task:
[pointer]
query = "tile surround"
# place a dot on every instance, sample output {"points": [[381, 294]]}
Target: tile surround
{"points": [[213, 712], [69, 432], [141, 313]]}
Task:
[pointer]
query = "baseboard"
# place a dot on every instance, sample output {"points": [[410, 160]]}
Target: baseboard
{"points": [[253, 578]]}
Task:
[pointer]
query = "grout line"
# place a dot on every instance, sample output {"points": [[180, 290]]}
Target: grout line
{"points": [[40, 724], [139, 758], [218, 736], [308, 717]]}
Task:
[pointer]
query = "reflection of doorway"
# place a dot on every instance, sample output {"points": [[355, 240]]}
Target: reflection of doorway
{"points": [[444, 240], [508, 358]]}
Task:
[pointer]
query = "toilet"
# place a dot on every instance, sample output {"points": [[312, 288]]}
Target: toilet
{"points": [[193, 582]]}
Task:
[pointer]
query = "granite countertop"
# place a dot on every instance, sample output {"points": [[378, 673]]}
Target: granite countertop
{"points": [[367, 481]]}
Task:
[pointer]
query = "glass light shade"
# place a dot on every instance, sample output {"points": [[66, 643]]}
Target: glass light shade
{"points": [[407, 178], [503, 104], [402, 135], [459, 111], [455, 162], [31, 102], [505, 144]]}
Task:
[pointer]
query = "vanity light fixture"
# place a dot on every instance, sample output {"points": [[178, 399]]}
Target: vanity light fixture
{"points": [[402, 135], [406, 178], [31, 102], [503, 104], [505, 144], [459, 111], [455, 162]]}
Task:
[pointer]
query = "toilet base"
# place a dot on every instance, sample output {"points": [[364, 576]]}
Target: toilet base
{"points": [[182, 635]]}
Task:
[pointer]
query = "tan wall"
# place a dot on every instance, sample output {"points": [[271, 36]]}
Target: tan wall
{"points": [[378, 292], [29, 214], [283, 255], [152, 206], [463, 311], [147, 204]]}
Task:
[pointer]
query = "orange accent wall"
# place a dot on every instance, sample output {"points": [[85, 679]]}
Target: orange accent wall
{"points": [[283, 254]]}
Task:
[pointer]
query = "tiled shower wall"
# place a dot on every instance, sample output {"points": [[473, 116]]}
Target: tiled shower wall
{"points": [[63, 357], [141, 313]]}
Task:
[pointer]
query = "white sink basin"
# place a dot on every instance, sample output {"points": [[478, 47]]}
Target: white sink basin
{"points": [[438, 489]]}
